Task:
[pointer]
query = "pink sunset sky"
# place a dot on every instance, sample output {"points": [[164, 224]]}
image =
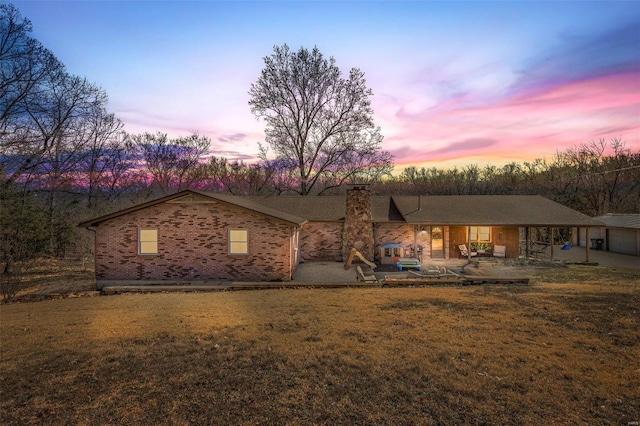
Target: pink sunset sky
{"points": [[454, 83]]}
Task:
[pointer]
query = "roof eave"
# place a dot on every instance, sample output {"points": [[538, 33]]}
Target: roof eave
{"points": [[96, 221]]}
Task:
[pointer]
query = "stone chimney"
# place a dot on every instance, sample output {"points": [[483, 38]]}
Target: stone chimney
{"points": [[358, 226]]}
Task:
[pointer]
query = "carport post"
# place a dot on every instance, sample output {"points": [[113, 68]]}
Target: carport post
{"points": [[416, 229], [586, 245]]}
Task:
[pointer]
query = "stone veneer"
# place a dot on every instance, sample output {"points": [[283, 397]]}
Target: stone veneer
{"points": [[358, 226], [193, 244]]}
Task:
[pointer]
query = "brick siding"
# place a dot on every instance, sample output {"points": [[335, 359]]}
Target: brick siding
{"points": [[397, 233], [321, 241], [193, 244]]}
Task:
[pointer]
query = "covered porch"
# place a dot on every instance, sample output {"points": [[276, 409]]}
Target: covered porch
{"points": [[446, 225]]}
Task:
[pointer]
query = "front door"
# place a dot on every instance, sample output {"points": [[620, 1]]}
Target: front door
{"points": [[437, 242]]}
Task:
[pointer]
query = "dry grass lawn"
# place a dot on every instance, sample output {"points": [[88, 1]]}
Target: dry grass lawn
{"points": [[565, 350]]}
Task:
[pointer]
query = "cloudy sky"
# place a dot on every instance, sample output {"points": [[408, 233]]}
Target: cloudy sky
{"points": [[454, 83]]}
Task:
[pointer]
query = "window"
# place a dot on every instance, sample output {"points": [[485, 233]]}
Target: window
{"points": [[480, 233], [238, 241], [392, 252], [147, 241]]}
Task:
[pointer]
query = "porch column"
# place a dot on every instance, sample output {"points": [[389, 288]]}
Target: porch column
{"points": [[527, 241], [469, 244], [552, 231]]}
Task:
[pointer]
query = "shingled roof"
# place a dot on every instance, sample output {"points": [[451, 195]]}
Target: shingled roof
{"points": [[507, 210], [511, 210], [317, 209], [330, 208], [243, 202], [617, 220]]}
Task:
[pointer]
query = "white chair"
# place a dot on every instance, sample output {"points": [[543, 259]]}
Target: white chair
{"points": [[464, 252], [499, 251]]}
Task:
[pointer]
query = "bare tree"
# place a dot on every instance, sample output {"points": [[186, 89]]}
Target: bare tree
{"points": [[171, 162], [236, 177], [596, 177], [102, 160], [316, 118], [26, 68], [604, 183]]}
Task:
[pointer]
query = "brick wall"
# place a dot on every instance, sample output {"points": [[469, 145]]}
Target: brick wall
{"points": [[192, 245], [398, 233], [321, 241]]}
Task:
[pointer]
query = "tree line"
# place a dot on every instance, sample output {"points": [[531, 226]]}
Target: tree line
{"points": [[65, 157]]}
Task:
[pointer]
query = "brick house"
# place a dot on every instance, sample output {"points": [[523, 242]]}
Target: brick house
{"points": [[192, 235], [198, 235]]}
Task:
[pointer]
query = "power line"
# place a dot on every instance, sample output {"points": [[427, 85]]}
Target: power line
{"points": [[618, 170]]}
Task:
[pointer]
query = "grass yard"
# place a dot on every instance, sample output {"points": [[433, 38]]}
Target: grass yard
{"points": [[565, 350]]}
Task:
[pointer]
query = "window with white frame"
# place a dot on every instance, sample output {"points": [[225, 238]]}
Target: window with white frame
{"points": [[480, 233], [238, 241], [147, 241]]}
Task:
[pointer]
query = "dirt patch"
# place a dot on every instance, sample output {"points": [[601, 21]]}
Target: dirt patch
{"points": [[54, 278]]}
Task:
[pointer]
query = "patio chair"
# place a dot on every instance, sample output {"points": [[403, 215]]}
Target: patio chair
{"points": [[499, 251], [464, 252]]}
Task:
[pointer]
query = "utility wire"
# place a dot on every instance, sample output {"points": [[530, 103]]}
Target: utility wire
{"points": [[617, 170]]}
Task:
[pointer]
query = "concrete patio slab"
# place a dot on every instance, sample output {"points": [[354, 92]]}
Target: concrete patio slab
{"points": [[602, 258]]}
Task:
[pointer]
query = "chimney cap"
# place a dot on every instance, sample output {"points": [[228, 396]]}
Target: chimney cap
{"points": [[358, 186]]}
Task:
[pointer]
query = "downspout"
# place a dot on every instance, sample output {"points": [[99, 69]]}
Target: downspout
{"points": [[295, 253]]}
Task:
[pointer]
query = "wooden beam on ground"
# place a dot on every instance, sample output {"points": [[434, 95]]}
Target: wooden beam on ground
{"points": [[162, 288], [391, 281], [481, 279]]}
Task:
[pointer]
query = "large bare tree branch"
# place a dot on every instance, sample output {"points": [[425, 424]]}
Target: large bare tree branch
{"points": [[316, 117]]}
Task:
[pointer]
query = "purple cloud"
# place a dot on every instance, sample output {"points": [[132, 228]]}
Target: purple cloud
{"points": [[467, 145], [232, 155], [236, 137], [578, 57], [463, 147]]}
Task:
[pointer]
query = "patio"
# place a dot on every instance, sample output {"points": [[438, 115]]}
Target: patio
{"points": [[577, 254], [335, 272]]}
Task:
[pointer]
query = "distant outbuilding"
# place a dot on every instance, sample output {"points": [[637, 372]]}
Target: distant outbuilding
{"points": [[620, 234]]}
